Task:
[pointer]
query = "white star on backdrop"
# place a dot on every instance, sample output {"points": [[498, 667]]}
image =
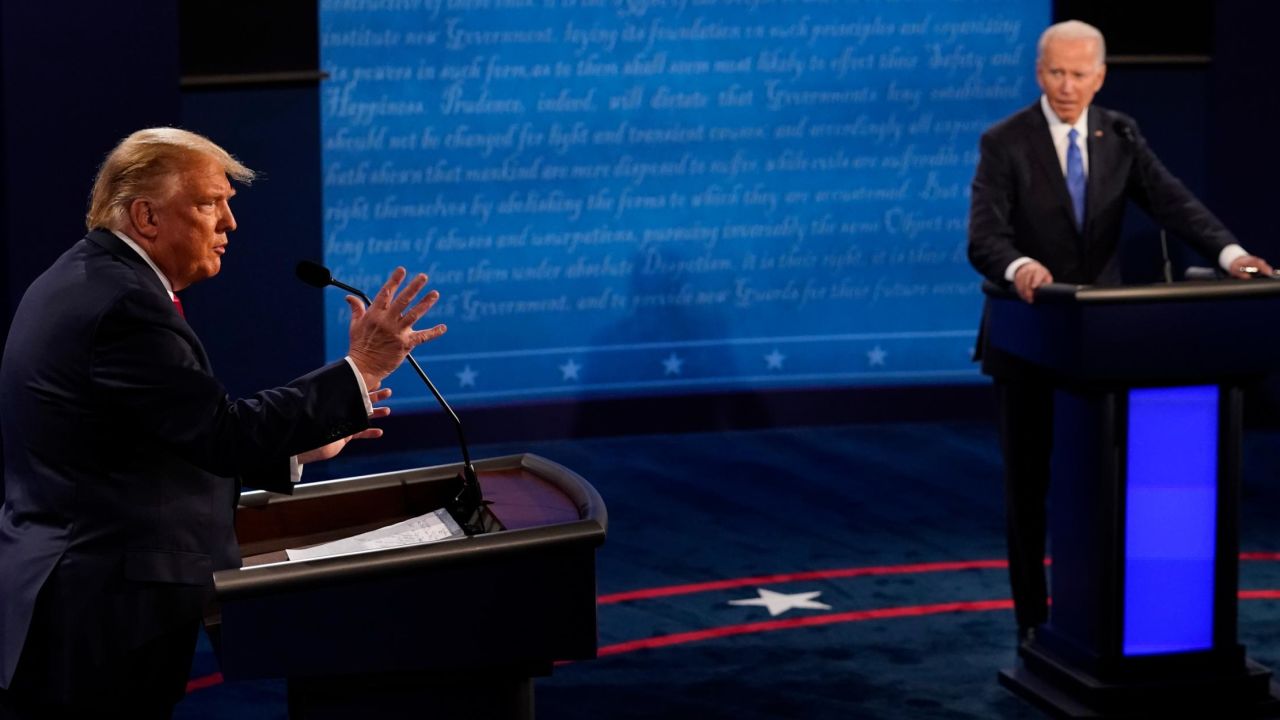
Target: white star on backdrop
{"points": [[773, 361], [672, 365], [876, 356], [569, 370], [778, 603], [467, 378]]}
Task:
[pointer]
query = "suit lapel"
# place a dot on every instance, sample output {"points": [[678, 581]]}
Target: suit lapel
{"points": [[1101, 164], [1045, 157], [112, 244]]}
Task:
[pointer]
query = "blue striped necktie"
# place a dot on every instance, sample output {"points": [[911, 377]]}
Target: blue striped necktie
{"points": [[1075, 177]]}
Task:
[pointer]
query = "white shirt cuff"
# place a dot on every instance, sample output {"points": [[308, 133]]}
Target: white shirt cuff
{"points": [[1230, 254], [364, 391], [1012, 270], [295, 470]]}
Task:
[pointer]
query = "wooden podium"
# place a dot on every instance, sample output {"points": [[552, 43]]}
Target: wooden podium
{"points": [[451, 629], [1144, 495]]}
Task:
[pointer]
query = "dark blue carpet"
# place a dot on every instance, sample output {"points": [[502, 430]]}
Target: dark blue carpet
{"points": [[707, 507]]}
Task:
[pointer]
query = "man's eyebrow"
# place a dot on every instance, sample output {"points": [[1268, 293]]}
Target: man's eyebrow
{"points": [[218, 193]]}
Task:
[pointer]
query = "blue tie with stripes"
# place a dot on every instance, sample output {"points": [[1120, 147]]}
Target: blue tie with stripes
{"points": [[1075, 177]]}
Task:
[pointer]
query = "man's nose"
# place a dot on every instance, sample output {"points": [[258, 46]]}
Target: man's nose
{"points": [[228, 220]]}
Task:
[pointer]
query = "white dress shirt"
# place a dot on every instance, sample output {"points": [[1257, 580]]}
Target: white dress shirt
{"points": [[1060, 130]]}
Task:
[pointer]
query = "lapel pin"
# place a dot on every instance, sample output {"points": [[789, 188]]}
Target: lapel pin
{"points": [[1097, 133]]}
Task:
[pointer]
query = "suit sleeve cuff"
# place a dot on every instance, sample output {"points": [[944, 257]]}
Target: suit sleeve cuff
{"points": [[364, 390]]}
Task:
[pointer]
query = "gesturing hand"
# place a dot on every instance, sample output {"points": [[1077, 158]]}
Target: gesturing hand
{"points": [[382, 334]]}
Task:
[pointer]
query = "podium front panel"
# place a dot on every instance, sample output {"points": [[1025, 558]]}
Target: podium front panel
{"points": [[1143, 495]]}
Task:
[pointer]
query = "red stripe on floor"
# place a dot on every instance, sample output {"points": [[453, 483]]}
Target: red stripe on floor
{"points": [[690, 588], [670, 590], [801, 622], [204, 681]]}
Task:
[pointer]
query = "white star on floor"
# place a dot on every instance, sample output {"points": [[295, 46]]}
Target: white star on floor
{"points": [[570, 370], [773, 361], [467, 378], [779, 603], [672, 365], [876, 356]]}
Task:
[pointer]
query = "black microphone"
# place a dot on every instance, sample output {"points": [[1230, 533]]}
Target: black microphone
{"points": [[468, 507], [318, 276], [1125, 130]]}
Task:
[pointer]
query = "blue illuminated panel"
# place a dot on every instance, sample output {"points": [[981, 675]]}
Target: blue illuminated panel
{"points": [[1170, 519]]}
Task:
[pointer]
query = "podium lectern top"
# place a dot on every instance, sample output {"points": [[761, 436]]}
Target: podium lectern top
{"points": [[1179, 332], [523, 597]]}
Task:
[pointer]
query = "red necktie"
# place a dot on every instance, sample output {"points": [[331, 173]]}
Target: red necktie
{"points": [[177, 304]]}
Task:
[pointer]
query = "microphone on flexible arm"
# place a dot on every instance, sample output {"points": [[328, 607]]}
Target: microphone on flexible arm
{"points": [[468, 507], [1125, 131]]}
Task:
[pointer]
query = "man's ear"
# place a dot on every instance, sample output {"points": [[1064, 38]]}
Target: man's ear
{"points": [[142, 216]]}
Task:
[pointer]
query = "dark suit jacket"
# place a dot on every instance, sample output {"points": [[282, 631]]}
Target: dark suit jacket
{"points": [[1021, 207], [123, 458]]}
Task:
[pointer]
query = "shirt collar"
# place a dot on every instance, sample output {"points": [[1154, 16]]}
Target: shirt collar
{"points": [[136, 248], [1056, 124]]}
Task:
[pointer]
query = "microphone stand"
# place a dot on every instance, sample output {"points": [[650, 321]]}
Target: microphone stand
{"points": [[1164, 251], [468, 507], [1126, 133]]}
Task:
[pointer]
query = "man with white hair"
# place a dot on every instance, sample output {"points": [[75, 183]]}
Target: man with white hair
{"points": [[1048, 202], [123, 454]]}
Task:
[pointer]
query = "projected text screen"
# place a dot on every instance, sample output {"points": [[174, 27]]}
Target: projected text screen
{"points": [[620, 197]]}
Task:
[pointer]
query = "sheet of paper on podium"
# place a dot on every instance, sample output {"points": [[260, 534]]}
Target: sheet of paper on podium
{"points": [[432, 527]]}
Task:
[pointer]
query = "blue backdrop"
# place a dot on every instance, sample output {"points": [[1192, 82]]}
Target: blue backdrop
{"points": [[620, 198]]}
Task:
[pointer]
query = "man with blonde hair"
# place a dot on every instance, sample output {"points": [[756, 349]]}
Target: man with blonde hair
{"points": [[123, 454], [1048, 202]]}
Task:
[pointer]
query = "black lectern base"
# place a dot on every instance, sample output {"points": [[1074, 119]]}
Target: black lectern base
{"points": [[1067, 692], [404, 696]]}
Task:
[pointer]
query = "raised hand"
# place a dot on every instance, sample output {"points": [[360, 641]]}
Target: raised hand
{"points": [[382, 334]]}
